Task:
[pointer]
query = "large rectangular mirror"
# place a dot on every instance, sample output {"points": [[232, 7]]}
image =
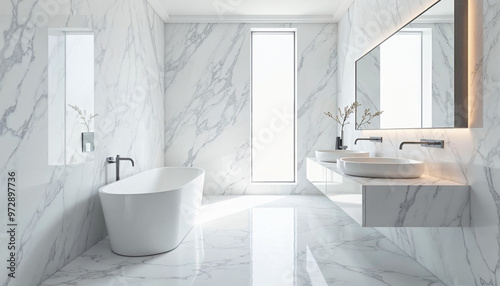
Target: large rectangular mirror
{"points": [[418, 76]]}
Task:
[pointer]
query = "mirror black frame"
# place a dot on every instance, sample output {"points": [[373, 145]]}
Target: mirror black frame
{"points": [[461, 66]]}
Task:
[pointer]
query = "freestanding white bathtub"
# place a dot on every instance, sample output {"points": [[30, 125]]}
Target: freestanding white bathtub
{"points": [[152, 212]]}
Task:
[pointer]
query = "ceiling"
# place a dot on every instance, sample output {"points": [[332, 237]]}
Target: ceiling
{"points": [[175, 11]]}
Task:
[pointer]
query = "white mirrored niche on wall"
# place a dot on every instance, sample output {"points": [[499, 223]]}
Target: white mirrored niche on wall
{"points": [[71, 93]]}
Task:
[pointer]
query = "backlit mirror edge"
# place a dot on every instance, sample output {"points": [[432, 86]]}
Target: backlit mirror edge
{"points": [[461, 64]]}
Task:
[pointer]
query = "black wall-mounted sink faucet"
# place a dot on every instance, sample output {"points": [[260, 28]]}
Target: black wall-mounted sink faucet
{"points": [[371, 139], [424, 143]]}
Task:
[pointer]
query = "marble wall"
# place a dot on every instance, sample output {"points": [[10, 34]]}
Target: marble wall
{"points": [[207, 101], [58, 211], [458, 256]]}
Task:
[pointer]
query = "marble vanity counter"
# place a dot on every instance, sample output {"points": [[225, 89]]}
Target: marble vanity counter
{"points": [[421, 202]]}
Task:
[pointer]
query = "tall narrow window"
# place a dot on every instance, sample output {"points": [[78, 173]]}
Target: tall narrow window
{"points": [[273, 106], [406, 80], [401, 74]]}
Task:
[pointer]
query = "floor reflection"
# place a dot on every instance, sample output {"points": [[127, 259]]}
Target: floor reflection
{"points": [[313, 270], [213, 210], [259, 241], [273, 246]]}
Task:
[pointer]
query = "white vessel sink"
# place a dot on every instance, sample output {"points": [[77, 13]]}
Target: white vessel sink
{"points": [[393, 168], [334, 155]]}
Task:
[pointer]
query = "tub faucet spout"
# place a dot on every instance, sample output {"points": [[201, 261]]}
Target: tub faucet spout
{"points": [[111, 160]]}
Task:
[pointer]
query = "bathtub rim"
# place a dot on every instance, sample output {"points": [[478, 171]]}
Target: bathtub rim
{"points": [[102, 190]]}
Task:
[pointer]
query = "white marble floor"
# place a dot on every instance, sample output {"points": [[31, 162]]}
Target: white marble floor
{"points": [[259, 241]]}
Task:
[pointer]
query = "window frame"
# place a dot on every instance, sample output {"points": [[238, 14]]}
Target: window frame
{"points": [[295, 119]]}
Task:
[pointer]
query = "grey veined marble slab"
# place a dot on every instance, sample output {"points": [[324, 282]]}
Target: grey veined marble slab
{"points": [[259, 241], [422, 202]]}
